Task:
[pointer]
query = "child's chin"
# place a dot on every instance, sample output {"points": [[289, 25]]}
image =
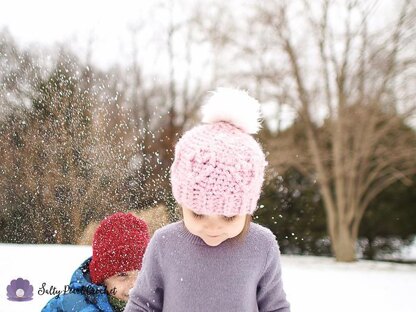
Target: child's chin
{"points": [[213, 242]]}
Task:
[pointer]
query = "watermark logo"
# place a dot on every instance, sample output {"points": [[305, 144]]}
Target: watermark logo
{"points": [[20, 290]]}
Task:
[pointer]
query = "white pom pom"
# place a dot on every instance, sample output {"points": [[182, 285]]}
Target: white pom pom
{"points": [[233, 106]]}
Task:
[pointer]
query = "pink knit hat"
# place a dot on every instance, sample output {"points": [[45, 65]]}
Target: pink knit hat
{"points": [[218, 166]]}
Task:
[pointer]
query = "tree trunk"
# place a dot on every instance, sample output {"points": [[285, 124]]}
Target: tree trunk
{"points": [[344, 244]]}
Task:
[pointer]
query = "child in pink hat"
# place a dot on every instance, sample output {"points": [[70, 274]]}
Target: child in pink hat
{"points": [[215, 259]]}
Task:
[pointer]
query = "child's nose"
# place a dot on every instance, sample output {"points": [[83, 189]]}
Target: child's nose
{"points": [[214, 225], [132, 280]]}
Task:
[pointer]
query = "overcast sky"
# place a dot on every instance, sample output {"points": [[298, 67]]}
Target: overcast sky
{"points": [[105, 24], [45, 22]]}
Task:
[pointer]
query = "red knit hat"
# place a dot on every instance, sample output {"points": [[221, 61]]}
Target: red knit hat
{"points": [[119, 245]]}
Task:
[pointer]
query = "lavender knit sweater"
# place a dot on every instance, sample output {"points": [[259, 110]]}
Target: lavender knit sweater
{"points": [[181, 273]]}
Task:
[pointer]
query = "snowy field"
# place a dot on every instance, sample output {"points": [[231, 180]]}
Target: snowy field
{"points": [[313, 284]]}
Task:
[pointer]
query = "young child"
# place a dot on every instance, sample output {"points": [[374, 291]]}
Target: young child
{"points": [[215, 259], [103, 282]]}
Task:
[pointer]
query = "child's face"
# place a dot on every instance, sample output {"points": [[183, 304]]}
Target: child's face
{"points": [[213, 229], [121, 283]]}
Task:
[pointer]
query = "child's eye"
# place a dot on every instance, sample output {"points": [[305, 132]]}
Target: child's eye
{"points": [[229, 219], [197, 216], [122, 274]]}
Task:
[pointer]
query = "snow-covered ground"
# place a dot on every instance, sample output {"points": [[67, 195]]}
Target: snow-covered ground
{"points": [[313, 284]]}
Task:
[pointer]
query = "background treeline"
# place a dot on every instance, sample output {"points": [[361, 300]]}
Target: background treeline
{"points": [[78, 142]]}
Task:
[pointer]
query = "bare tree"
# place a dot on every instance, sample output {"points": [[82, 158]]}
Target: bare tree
{"points": [[361, 80], [58, 171]]}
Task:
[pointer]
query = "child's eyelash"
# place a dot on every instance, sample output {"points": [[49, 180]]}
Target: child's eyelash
{"points": [[200, 216], [197, 216], [229, 219]]}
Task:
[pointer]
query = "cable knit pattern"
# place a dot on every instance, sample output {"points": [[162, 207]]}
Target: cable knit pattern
{"points": [[218, 169]]}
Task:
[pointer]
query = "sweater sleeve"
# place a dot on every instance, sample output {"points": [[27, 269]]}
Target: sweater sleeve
{"points": [[270, 293], [147, 294]]}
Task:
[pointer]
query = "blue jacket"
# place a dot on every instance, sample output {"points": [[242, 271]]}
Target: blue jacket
{"points": [[85, 296]]}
